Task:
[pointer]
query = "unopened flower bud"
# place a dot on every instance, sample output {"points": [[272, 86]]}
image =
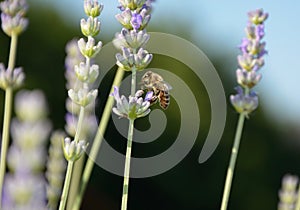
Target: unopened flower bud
{"points": [[72, 150], [92, 8], [8, 78], [89, 49], [90, 27], [87, 74], [83, 97], [13, 24]]}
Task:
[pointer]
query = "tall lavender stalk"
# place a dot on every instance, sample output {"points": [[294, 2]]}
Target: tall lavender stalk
{"points": [[24, 185], [83, 94], [89, 126], [134, 17], [13, 24], [56, 166], [246, 100]]}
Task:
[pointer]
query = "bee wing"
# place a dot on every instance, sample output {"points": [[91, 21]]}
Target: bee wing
{"points": [[165, 86], [162, 85], [168, 85]]}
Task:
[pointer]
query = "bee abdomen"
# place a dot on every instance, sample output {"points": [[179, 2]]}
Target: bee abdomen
{"points": [[164, 101]]}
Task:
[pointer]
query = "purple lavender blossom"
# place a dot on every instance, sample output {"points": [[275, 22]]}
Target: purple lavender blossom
{"points": [[12, 17], [244, 103], [24, 191], [14, 7], [129, 60], [134, 107], [11, 78], [131, 39], [24, 186], [247, 79], [136, 20], [258, 16], [288, 192], [250, 61]]}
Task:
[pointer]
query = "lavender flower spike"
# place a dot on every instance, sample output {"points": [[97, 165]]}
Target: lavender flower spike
{"points": [[250, 62], [24, 186]]}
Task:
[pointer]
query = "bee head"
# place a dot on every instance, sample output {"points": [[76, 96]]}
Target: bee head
{"points": [[146, 79]]}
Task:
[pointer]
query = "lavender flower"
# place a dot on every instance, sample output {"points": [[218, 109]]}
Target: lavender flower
{"points": [[246, 100], [13, 7], [132, 4], [11, 78], [250, 62], [83, 97], [87, 74], [244, 103], [131, 39], [31, 105], [257, 17], [93, 8], [134, 107], [134, 17], [288, 192], [24, 191], [26, 155], [129, 60], [74, 150], [56, 166], [12, 17], [89, 49], [90, 27], [136, 20]]}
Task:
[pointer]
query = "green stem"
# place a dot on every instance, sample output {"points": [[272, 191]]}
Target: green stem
{"points": [[128, 149], [5, 136], [64, 196], [79, 124], [7, 113], [97, 142], [234, 153], [127, 165], [133, 82], [75, 181], [13, 51]]}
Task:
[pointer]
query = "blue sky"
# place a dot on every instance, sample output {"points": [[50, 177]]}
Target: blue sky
{"points": [[224, 22]]}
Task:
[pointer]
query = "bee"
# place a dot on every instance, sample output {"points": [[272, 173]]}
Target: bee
{"points": [[154, 82]]}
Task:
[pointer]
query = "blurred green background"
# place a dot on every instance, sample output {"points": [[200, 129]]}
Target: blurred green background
{"points": [[269, 148]]}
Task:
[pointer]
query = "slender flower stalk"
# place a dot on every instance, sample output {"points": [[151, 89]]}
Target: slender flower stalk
{"points": [[246, 100], [89, 126], [83, 95], [127, 166], [134, 17], [13, 24], [97, 142]]}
